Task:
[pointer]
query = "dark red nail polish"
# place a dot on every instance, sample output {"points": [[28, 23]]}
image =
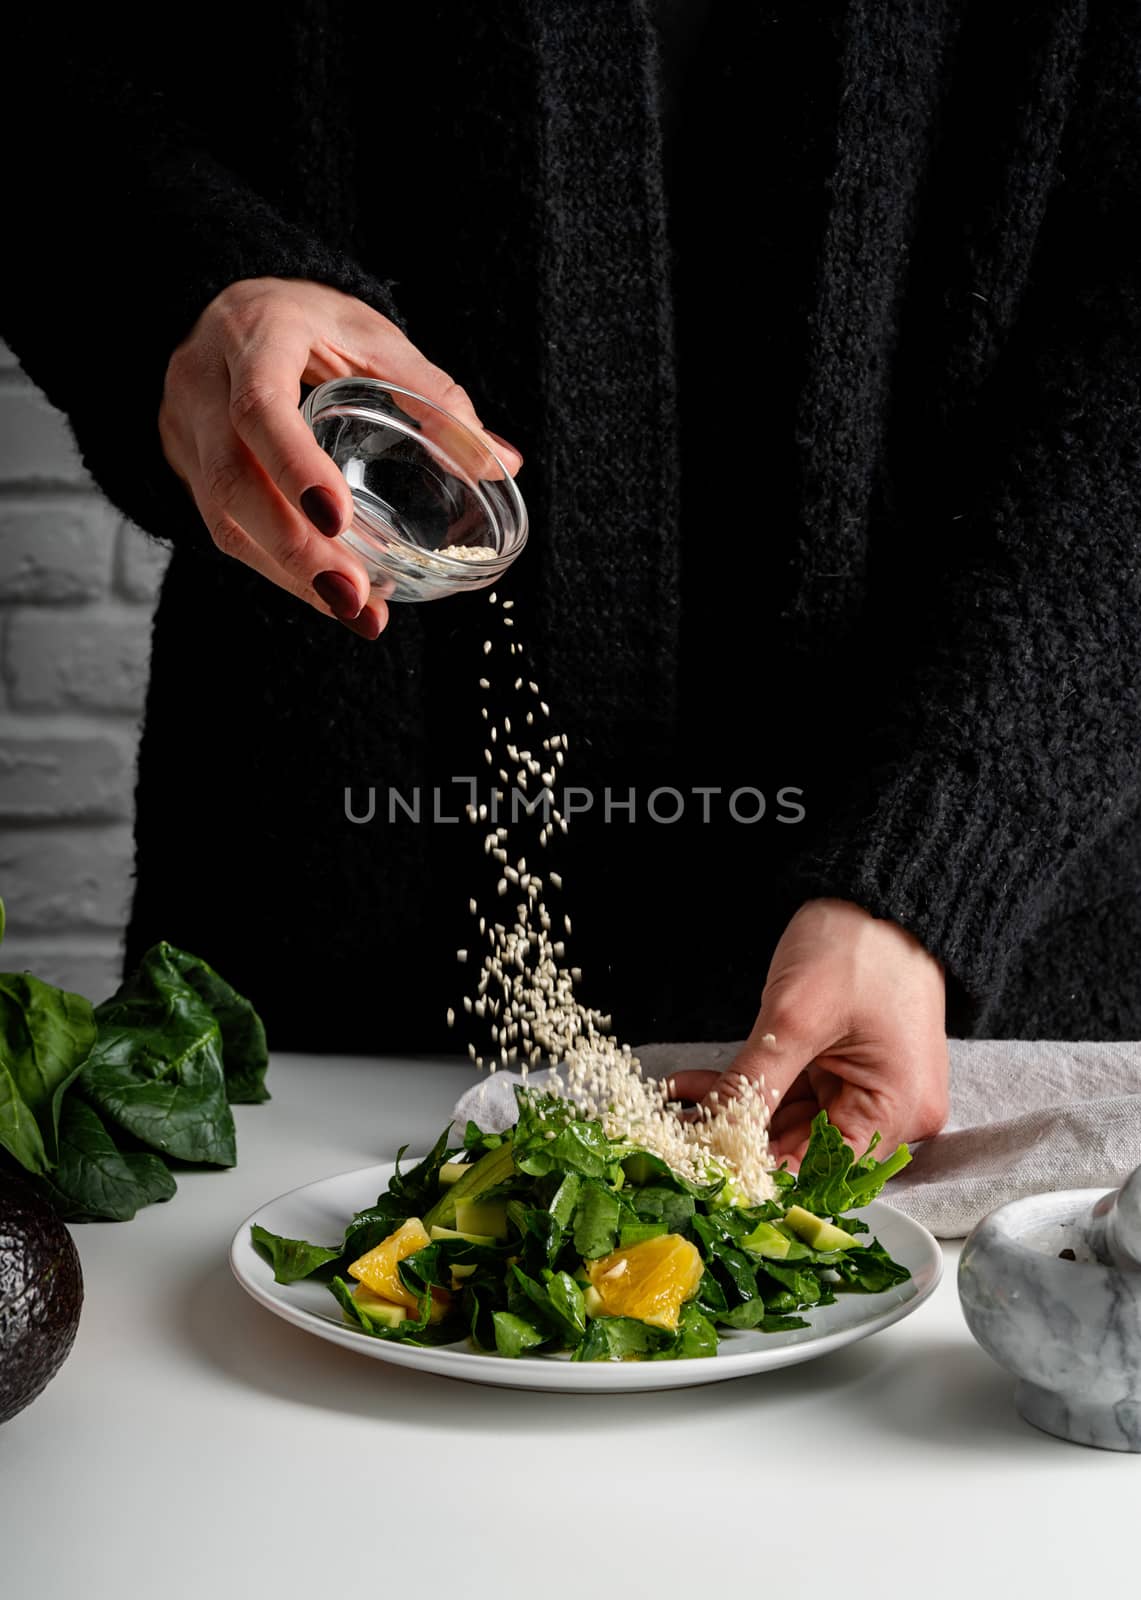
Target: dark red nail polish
{"points": [[322, 510], [338, 594], [367, 625]]}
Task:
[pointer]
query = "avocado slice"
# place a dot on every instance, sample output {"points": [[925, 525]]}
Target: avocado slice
{"points": [[454, 1233], [488, 1217], [816, 1232], [384, 1313], [639, 1169], [478, 1176], [765, 1240], [451, 1172]]}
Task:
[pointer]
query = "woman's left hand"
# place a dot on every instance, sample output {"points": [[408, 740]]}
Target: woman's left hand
{"points": [[851, 1022]]}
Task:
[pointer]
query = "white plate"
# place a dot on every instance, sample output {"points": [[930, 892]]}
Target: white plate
{"points": [[319, 1211]]}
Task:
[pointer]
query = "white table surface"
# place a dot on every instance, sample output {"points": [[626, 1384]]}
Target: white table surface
{"points": [[195, 1445]]}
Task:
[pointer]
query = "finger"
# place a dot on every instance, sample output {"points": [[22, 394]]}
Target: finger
{"points": [[859, 1114], [369, 623], [385, 353], [692, 1084], [231, 487], [791, 1114], [265, 378], [782, 1044], [791, 1150]]}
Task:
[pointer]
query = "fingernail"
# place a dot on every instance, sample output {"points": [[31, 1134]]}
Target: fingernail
{"points": [[367, 625], [322, 510], [515, 451], [338, 594]]}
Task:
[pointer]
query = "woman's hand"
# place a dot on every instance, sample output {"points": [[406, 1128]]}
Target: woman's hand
{"points": [[231, 429], [851, 1021]]}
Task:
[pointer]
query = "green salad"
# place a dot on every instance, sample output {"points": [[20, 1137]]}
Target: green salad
{"points": [[552, 1237]]}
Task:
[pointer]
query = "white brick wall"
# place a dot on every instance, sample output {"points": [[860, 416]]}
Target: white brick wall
{"points": [[77, 590]]}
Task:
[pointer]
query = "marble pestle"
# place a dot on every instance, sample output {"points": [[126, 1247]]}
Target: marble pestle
{"points": [[1114, 1234]]}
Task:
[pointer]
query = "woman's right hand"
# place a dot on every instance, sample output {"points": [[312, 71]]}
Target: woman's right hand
{"points": [[231, 429]]}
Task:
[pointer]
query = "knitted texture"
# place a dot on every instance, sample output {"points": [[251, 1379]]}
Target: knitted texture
{"points": [[831, 450]]}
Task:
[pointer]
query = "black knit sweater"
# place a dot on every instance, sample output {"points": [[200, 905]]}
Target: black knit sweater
{"points": [[831, 425]]}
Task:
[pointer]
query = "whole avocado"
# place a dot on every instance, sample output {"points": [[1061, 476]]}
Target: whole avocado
{"points": [[41, 1294]]}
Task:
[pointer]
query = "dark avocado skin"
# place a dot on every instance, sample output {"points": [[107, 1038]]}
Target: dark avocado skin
{"points": [[41, 1294]]}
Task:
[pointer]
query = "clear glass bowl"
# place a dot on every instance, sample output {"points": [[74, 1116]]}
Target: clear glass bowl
{"points": [[435, 510]]}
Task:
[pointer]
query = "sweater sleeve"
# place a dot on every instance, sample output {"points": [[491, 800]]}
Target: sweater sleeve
{"points": [[128, 230], [1016, 745]]}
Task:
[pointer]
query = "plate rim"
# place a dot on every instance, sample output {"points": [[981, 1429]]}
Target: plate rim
{"points": [[525, 1372]]}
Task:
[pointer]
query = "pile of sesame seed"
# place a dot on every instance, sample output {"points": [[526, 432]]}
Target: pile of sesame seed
{"points": [[457, 552], [526, 994]]}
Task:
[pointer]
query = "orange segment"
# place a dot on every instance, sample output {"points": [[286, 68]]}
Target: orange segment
{"points": [[650, 1281], [377, 1268]]}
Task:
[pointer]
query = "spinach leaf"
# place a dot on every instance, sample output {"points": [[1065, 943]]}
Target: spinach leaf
{"points": [[715, 1228], [564, 1199], [643, 1169], [869, 1176], [619, 1339], [710, 1297], [372, 1226], [577, 1146], [292, 1259], [566, 1299], [631, 1233], [420, 1188], [756, 1314], [425, 1269], [542, 1236], [481, 1300], [562, 1315], [696, 1337], [869, 1270], [476, 1139], [596, 1221], [802, 1284], [673, 1207], [739, 1269], [832, 1180], [156, 1066], [514, 1334], [94, 1179], [45, 1036], [244, 1054]]}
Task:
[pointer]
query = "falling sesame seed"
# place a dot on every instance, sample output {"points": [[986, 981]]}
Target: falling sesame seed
{"points": [[451, 1017], [487, 647], [529, 996]]}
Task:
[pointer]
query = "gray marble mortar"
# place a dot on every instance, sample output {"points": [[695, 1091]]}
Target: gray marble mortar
{"points": [[1051, 1289]]}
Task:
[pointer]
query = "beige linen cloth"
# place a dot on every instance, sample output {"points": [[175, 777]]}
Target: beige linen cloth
{"points": [[1025, 1118]]}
